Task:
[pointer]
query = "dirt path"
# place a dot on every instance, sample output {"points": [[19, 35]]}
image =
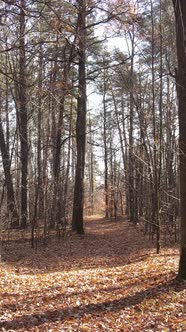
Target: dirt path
{"points": [[108, 280], [104, 242]]}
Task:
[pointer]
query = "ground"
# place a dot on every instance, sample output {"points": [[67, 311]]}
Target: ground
{"points": [[110, 279]]}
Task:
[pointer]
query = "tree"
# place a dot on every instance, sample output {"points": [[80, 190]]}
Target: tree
{"points": [[14, 219], [22, 115], [105, 143], [77, 220], [180, 18]]}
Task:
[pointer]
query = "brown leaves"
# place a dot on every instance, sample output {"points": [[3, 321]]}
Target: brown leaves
{"points": [[108, 280]]}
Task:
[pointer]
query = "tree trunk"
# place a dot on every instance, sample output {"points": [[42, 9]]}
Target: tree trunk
{"points": [[77, 219], [66, 184], [132, 212], [180, 15], [23, 117], [105, 147], [14, 219]]}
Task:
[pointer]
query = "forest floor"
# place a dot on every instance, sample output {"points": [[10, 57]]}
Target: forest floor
{"points": [[110, 279]]}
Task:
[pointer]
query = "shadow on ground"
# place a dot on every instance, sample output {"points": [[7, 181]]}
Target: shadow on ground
{"points": [[104, 242], [26, 322]]}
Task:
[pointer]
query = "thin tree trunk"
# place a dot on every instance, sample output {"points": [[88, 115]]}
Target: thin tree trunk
{"points": [[66, 185], [105, 147], [155, 216], [23, 116], [132, 211], [158, 229]]}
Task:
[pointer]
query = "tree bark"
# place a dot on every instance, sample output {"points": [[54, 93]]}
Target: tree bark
{"points": [[14, 219], [105, 147], [132, 211], [77, 218], [180, 16], [23, 116]]}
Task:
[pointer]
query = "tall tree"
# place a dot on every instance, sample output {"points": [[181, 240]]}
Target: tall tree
{"points": [[23, 117], [105, 143], [180, 17], [77, 219]]}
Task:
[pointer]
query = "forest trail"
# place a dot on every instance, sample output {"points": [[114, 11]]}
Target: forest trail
{"points": [[109, 279]]}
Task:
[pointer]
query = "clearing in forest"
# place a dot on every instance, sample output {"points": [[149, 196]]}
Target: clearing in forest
{"points": [[110, 279]]}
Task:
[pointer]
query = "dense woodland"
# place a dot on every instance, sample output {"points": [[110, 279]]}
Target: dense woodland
{"points": [[51, 53], [92, 122], [57, 147]]}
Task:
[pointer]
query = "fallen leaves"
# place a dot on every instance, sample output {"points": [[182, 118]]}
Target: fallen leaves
{"points": [[109, 280]]}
